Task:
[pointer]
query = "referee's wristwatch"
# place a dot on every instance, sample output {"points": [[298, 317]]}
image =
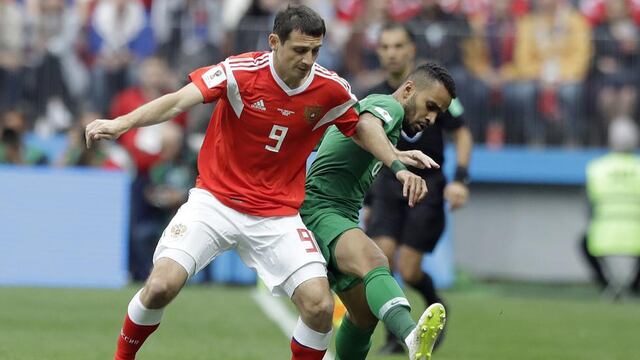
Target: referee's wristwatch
{"points": [[462, 175]]}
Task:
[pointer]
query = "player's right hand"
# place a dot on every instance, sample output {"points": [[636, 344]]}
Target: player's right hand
{"points": [[103, 130], [414, 188], [417, 159]]}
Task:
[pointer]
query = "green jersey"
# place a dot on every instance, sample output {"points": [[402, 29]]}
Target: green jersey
{"points": [[342, 171], [338, 180]]}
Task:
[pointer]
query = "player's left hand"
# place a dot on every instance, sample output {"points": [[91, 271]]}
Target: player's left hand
{"points": [[457, 194], [417, 159], [102, 129], [414, 188]]}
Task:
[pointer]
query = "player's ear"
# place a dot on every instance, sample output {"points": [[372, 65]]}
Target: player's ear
{"points": [[274, 41], [408, 88]]}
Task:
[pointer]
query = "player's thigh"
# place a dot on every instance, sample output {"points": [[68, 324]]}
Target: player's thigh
{"points": [[355, 301], [201, 229], [283, 252], [356, 254], [423, 226]]}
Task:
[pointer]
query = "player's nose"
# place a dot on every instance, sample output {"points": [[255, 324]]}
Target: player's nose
{"points": [[308, 58]]}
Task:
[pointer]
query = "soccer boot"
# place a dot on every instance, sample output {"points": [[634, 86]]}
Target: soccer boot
{"points": [[425, 334]]}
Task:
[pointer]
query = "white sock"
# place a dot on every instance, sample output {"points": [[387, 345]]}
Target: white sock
{"points": [[311, 338], [140, 315]]}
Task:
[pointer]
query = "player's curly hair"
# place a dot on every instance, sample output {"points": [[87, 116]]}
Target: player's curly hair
{"points": [[432, 71]]}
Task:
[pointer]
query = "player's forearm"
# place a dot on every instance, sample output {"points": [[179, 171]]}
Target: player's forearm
{"points": [[163, 108], [464, 144], [153, 112], [371, 136]]}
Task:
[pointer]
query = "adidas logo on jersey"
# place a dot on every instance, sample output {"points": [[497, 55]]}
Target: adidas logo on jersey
{"points": [[259, 105]]}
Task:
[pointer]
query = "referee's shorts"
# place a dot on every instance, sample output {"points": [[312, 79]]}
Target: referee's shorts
{"points": [[419, 227]]}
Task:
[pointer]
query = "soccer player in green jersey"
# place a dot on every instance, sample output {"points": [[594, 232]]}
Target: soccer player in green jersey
{"points": [[336, 185]]}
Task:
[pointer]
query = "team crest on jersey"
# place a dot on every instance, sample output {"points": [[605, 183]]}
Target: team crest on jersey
{"points": [[178, 230], [312, 113]]}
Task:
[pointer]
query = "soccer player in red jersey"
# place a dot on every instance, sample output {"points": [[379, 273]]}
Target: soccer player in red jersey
{"points": [[273, 108]]}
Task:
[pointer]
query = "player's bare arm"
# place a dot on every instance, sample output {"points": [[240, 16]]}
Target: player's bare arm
{"points": [[370, 136], [154, 112], [464, 144], [457, 192]]}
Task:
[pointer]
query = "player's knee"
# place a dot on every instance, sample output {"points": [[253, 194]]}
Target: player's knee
{"points": [[409, 273], [319, 306], [378, 258], [158, 293], [374, 258]]}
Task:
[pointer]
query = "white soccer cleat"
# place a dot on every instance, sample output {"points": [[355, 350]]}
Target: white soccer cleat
{"points": [[421, 340]]}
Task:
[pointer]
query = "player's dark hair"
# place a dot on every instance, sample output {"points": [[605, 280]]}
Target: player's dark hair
{"points": [[399, 26], [298, 17], [425, 74]]}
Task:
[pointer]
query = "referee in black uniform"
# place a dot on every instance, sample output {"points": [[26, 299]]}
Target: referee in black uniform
{"points": [[396, 228]]}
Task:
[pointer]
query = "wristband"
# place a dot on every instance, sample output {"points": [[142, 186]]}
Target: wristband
{"points": [[462, 175], [396, 166]]}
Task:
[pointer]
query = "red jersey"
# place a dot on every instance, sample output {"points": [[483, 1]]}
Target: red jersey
{"points": [[254, 154]]}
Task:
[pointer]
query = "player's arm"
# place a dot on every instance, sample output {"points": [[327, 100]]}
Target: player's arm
{"points": [[154, 112], [464, 143], [457, 192], [370, 135]]}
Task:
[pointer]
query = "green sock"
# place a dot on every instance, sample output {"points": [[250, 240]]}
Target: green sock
{"points": [[352, 342], [388, 303]]}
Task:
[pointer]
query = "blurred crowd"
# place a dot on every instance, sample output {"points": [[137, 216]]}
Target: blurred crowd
{"points": [[529, 72]]}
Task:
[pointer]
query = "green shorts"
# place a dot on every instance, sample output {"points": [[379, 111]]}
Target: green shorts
{"points": [[327, 226]]}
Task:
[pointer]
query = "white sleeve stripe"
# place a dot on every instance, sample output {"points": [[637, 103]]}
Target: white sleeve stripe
{"points": [[329, 73], [340, 80], [333, 75], [346, 87], [246, 58], [233, 91], [247, 68], [258, 61], [335, 113]]}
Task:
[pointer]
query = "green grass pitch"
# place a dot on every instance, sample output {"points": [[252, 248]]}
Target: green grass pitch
{"points": [[487, 322]]}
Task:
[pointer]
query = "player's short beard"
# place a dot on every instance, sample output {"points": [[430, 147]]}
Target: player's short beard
{"points": [[410, 108], [409, 113]]}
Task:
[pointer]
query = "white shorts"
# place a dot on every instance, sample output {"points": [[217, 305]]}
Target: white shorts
{"points": [[280, 249]]}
